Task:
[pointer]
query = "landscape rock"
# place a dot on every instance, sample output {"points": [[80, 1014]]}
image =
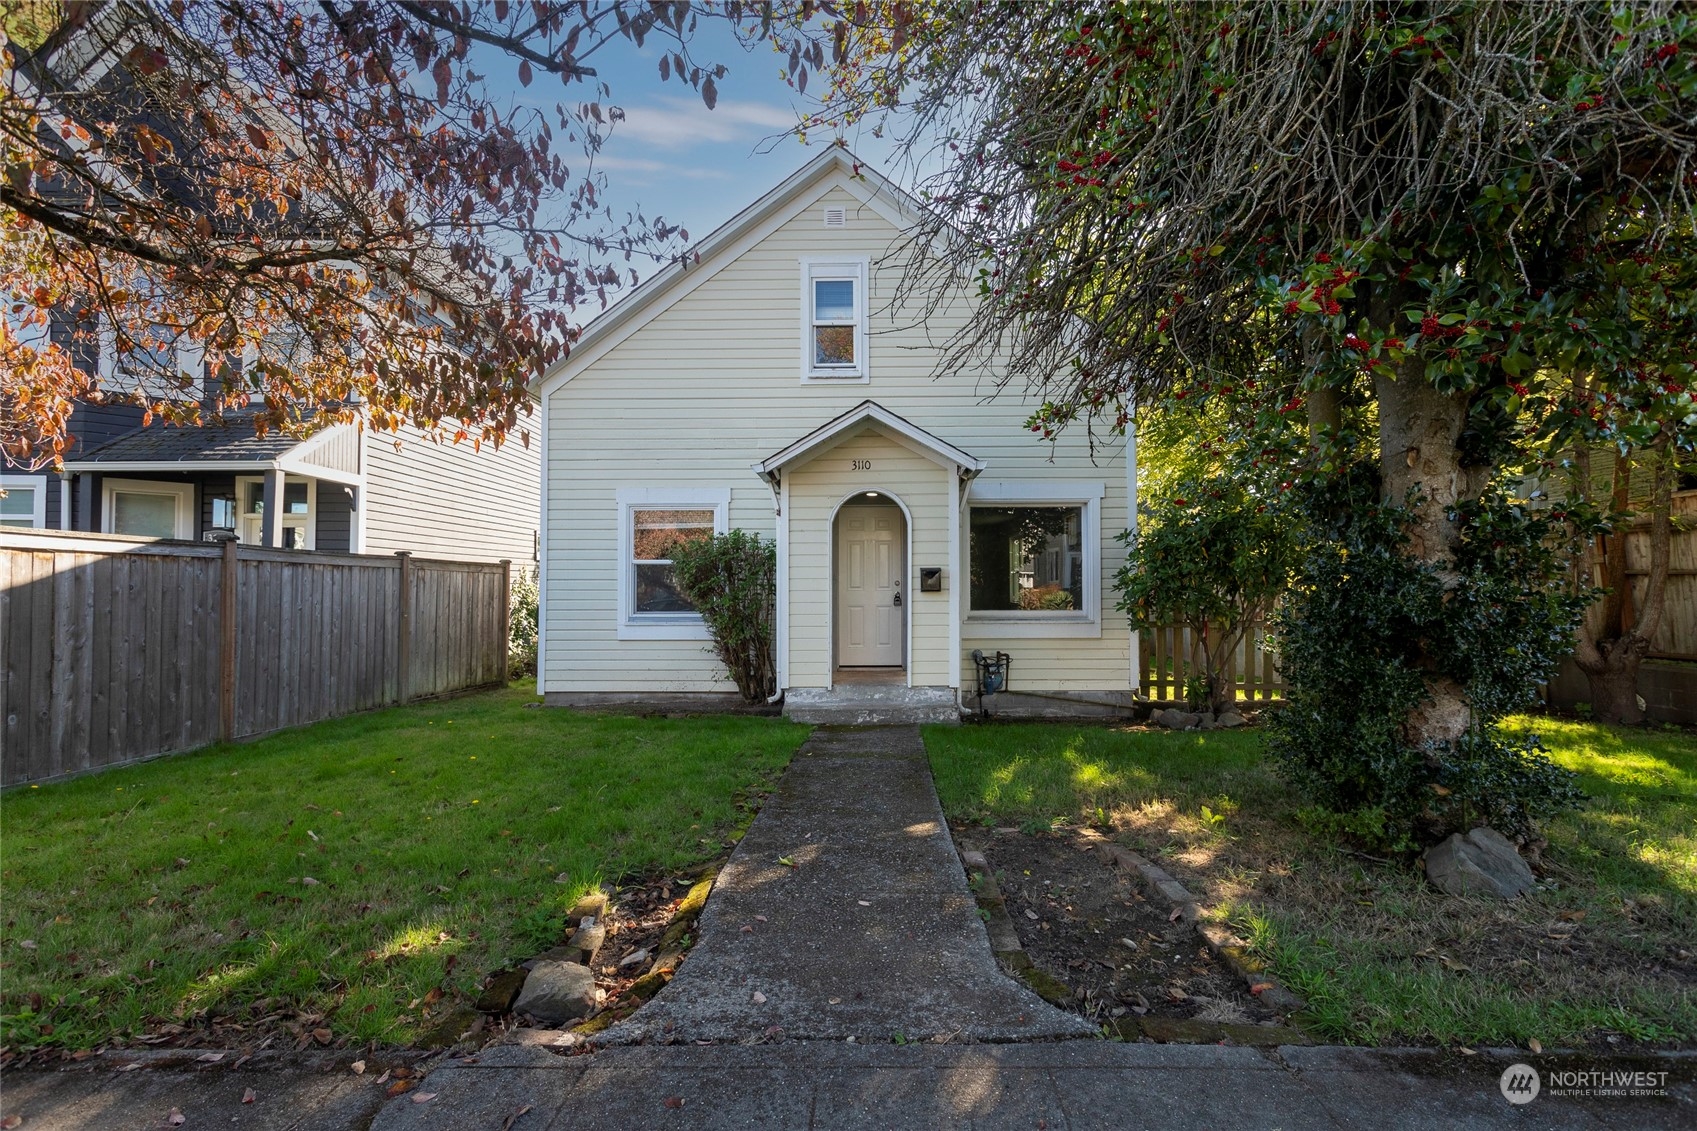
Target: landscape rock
{"points": [[498, 995], [587, 940], [591, 906], [1207, 719], [1484, 862], [1230, 719], [1174, 719], [557, 992]]}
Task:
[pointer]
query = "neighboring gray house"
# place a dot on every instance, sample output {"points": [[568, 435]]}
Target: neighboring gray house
{"points": [[343, 490]]}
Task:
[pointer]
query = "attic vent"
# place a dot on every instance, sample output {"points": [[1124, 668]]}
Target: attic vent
{"points": [[836, 217]]}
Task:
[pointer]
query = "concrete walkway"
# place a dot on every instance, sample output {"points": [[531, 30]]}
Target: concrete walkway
{"points": [[869, 932]]}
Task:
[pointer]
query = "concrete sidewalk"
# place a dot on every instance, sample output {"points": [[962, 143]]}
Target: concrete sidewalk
{"points": [[1053, 1085], [868, 932], [1074, 1085]]}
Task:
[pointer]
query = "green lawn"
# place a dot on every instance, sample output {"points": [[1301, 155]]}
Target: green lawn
{"points": [[181, 890], [1382, 958]]}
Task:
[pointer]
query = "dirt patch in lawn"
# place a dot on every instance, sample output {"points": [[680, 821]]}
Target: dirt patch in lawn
{"points": [[1117, 947]]}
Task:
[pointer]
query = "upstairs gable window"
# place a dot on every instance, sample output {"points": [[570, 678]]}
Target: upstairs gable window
{"points": [[834, 321]]}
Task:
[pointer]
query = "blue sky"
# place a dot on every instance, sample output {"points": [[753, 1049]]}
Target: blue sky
{"points": [[674, 158]]}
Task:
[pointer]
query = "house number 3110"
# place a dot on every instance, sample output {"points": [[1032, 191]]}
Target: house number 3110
{"points": [[861, 465]]}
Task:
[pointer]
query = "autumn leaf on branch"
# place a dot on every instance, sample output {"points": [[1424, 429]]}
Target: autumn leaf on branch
{"points": [[309, 213]]}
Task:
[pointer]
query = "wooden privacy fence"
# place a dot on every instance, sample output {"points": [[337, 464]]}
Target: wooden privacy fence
{"points": [[114, 649], [1676, 636], [1171, 654]]}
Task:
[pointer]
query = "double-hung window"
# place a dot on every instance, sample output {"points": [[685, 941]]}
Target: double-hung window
{"points": [[1033, 554], [653, 523], [155, 366], [24, 503], [833, 346]]}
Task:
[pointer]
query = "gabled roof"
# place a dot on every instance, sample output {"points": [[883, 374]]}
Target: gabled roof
{"points": [[871, 414], [703, 261], [230, 444]]}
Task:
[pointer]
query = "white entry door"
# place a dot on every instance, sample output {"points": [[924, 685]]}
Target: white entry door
{"points": [[870, 616]]}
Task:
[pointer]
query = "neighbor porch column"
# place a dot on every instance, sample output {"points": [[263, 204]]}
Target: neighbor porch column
{"points": [[271, 523]]}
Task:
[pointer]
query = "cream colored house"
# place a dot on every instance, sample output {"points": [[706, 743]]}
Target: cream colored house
{"points": [[771, 385]]}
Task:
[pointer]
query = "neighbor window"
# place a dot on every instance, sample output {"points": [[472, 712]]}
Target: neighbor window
{"points": [[24, 503], [834, 303], [154, 366], [653, 524], [147, 509], [299, 527]]}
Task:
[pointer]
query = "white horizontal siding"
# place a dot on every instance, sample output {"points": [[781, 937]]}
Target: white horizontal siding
{"points": [[445, 500], [713, 384]]}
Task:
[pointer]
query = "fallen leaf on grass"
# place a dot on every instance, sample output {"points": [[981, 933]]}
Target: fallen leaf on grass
{"points": [[322, 1036], [674, 1102], [423, 1097], [507, 1123], [787, 861], [131, 1067], [864, 902], [1177, 911], [398, 1087], [758, 998], [434, 996], [11, 1121], [249, 1096], [309, 881], [760, 918], [1572, 916], [209, 1057], [1030, 914], [359, 1067], [1259, 988], [176, 1118], [384, 1079], [1535, 1044], [1465, 1051]]}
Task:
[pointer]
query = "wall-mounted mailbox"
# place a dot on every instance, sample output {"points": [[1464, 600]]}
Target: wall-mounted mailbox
{"points": [[930, 579]]}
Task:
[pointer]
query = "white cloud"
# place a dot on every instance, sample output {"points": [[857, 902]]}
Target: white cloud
{"points": [[634, 167], [676, 123]]}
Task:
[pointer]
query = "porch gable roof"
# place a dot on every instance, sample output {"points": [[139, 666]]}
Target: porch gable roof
{"points": [[899, 429]]}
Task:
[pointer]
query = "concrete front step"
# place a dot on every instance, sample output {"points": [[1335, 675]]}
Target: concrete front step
{"points": [[871, 705]]}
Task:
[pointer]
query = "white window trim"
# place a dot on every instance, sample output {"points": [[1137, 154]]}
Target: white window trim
{"points": [[1032, 625], [662, 626], [311, 522], [191, 365], [183, 493], [36, 483], [853, 269]]}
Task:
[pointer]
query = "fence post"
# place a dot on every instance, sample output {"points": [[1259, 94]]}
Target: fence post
{"points": [[403, 662], [506, 616], [231, 577]]}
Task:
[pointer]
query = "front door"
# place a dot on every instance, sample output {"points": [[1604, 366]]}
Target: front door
{"points": [[870, 617]]}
